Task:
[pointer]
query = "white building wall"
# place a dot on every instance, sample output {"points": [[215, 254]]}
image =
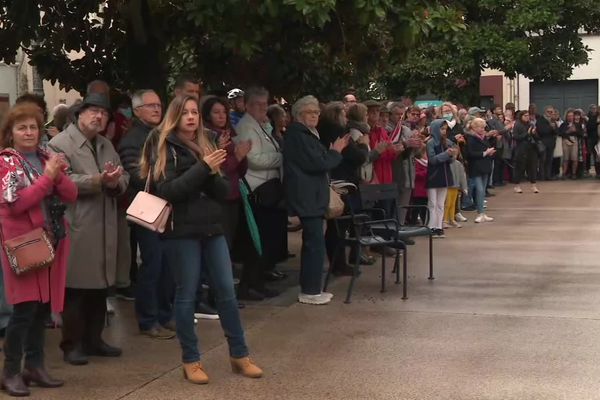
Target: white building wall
{"points": [[8, 82], [589, 71]]}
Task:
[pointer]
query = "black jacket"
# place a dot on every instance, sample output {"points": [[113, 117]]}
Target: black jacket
{"points": [[524, 140], [565, 134], [353, 156], [194, 193], [546, 132], [478, 164], [130, 151], [306, 164]]}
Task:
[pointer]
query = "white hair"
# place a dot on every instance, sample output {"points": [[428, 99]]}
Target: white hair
{"points": [[302, 103], [137, 100]]}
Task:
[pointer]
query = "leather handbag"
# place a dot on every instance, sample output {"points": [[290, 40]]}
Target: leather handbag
{"points": [[149, 211], [336, 205], [30, 252]]}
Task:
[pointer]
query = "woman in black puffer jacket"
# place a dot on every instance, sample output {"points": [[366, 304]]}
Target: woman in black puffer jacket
{"points": [[186, 172]]}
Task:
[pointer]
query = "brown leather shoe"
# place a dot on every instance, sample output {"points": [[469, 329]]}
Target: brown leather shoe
{"points": [[194, 372], [246, 367], [40, 377], [15, 386]]}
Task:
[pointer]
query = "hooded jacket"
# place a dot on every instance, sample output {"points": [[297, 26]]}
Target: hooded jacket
{"points": [[439, 174]]}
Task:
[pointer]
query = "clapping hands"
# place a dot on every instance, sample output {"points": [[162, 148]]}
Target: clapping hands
{"points": [[111, 175], [55, 164]]}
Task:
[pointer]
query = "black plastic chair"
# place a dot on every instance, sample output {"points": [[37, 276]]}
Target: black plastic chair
{"points": [[370, 194], [361, 235]]}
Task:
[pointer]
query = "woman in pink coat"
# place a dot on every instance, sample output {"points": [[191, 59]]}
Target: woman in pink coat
{"points": [[33, 190]]}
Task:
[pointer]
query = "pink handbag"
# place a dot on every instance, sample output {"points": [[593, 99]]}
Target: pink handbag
{"points": [[149, 211]]}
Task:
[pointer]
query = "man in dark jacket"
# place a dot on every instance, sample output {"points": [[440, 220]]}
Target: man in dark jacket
{"points": [[547, 130], [152, 303]]}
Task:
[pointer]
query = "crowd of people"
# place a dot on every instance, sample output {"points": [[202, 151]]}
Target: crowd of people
{"points": [[233, 169]]}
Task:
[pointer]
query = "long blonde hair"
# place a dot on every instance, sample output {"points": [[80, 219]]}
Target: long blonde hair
{"points": [[167, 127]]}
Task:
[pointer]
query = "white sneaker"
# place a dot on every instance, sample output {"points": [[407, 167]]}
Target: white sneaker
{"points": [[460, 218], [315, 299], [535, 189], [518, 189], [487, 219], [480, 218], [446, 225]]}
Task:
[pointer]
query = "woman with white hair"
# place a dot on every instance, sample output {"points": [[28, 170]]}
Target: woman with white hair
{"points": [[306, 165]]}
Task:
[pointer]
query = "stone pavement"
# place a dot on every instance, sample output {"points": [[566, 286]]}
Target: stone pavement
{"points": [[513, 314]]}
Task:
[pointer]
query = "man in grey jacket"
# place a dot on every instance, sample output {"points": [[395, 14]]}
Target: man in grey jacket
{"points": [[95, 168]]}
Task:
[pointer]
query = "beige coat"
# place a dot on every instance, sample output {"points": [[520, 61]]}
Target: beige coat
{"points": [[93, 218]]}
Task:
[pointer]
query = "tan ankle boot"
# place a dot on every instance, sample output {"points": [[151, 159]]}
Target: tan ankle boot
{"points": [[194, 372], [246, 367]]}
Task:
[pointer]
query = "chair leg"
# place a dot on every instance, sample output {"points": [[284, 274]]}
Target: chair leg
{"points": [[354, 275], [431, 257], [405, 276], [336, 253], [383, 272], [397, 266]]}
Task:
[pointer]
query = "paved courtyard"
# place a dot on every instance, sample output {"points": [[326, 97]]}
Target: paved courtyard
{"points": [[514, 313]]}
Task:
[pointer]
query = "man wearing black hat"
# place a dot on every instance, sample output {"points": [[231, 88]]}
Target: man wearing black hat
{"points": [[96, 170]]}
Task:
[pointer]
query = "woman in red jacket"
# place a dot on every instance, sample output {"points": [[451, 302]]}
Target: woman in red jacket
{"points": [[33, 190]]}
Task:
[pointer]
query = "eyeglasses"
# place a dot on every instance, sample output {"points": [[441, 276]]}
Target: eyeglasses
{"points": [[152, 106], [312, 112], [98, 111]]}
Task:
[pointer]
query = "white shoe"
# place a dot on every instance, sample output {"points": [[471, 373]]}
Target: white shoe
{"points": [[327, 294], [315, 299], [480, 218], [535, 189], [518, 189], [460, 218], [487, 219], [446, 225]]}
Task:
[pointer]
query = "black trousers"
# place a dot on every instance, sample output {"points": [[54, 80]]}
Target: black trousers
{"points": [[415, 213], [83, 319], [545, 166], [25, 334], [526, 160]]}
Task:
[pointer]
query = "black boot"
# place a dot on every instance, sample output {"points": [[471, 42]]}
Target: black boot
{"points": [[75, 357]]}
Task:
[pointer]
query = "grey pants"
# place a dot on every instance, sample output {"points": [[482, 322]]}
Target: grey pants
{"points": [[403, 201]]}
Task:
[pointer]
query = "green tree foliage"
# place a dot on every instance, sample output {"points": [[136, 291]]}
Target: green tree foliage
{"points": [[291, 46], [536, 38]]}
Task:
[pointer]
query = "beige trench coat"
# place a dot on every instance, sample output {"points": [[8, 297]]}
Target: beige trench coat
{"points": [[93, 218]]}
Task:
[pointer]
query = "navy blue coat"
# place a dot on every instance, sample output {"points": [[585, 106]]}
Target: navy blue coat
{"points": [[306, 164]]}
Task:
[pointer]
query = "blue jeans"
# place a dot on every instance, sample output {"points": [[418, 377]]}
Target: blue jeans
{"points": [[467, 200], [186, 257], [480, 186], [312, 258], [155, 286]]}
